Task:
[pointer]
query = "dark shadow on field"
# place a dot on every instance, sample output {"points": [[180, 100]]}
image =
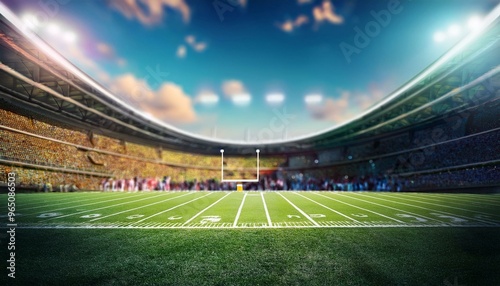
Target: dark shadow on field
{"points": [[333, 256]]}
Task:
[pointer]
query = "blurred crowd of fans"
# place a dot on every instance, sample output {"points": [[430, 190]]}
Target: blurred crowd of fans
{"points": [[432, 158]]}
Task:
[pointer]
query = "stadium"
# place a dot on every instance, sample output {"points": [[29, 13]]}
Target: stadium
{"points": [[97, 189]]}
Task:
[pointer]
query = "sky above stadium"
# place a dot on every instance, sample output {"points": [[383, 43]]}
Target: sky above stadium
{"points": [[251, 70]]}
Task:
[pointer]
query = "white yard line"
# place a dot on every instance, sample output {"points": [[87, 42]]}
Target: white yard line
{"points": [[172, 208], [450, 200], [397, 220], [169, 199], [106, 207], [396, 209], [72, 200], [434, 210], [202, 211], [78, 206], [328, 208], [269, 222], [239, 210], [299, 210]]}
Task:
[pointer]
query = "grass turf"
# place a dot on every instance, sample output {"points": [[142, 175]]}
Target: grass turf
{"points": [[333, 256], [414, 254]]}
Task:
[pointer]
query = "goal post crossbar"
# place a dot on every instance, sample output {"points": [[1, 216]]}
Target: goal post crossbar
{"points": [[238, 181]]}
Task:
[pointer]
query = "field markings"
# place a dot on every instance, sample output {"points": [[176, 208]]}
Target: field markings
{"points": [[78, 206], [205, 209], [299, 210], [172, 208], [269, 222], [143, 206], [106, 207], [63, 203], [50, 201], [458, 199], [434, 210], [235, 223], [379, 214], [328, 208], [389, 207], [440, 205], [449, 200]]}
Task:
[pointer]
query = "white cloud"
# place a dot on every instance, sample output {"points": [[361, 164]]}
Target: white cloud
{"points": [[348, 105], [150, 12], [109, 53], [325, 12], [181, 51], [196, 46], [233, 87], [169, 103], [235, 90], [289, 25]]}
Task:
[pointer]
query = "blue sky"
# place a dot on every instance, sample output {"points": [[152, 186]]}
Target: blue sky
{"points": [[207, 66]]}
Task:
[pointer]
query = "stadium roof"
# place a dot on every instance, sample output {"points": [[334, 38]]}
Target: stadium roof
{"points": [[35, 77]]}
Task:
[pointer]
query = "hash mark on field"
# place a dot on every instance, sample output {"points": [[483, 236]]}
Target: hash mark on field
{"points": [[299, 210], [239, 210], [265, 208]]}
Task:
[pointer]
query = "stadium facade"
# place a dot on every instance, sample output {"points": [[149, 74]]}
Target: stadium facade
{"points": [[438, 131]]}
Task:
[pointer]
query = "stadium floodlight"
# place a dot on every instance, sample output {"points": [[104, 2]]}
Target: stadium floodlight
{"points": [[257, 151], [208, 98], [275, 98], [454, 30], [312, 99], [439, 37], [474, 22], [31, 21], [69, 37], [53, 29], [241, 99]]}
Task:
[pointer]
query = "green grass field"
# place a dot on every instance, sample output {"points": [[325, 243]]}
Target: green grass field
{"points": [[255, 238]]}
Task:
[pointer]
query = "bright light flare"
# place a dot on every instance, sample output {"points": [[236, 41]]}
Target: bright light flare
{"points": [[312, 99], [439, 37], [31, 21], [454, 30], [53, 29], [241, 99], [275, 98], [69, 37], [208, 98], [474, 22]]}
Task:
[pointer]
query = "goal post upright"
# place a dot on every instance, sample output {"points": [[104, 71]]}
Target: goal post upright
{"points": [[257, 151]]}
